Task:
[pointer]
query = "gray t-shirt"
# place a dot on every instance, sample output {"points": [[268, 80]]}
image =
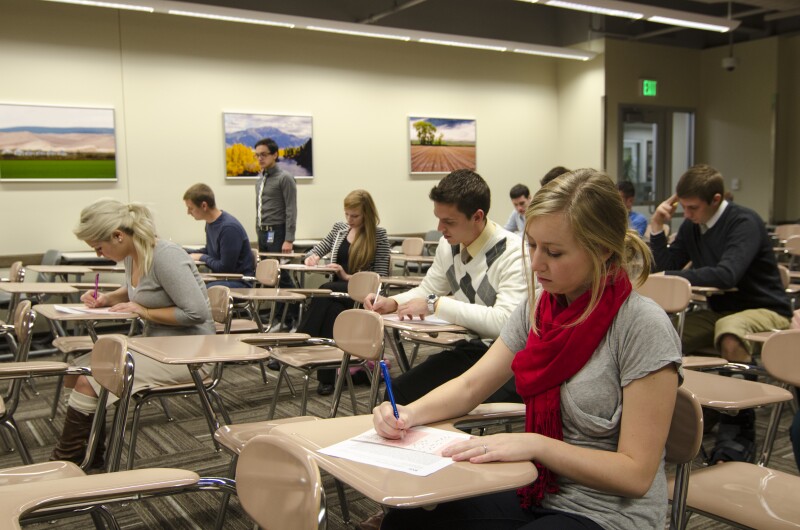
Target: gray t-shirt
{"points": [[172, 280], [641, 340]]}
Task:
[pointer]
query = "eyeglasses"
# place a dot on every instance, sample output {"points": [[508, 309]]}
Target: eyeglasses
{"points": [[264, 154]]}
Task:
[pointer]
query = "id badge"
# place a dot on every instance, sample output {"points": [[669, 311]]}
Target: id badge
{"points": [[271, 236]]}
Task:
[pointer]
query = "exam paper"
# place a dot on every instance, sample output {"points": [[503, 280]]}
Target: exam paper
{"points": [[81, 310], [418, 453], [429, 319]]}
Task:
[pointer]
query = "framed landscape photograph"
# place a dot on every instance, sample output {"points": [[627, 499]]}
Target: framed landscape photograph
{"points": [[41, 143], [441, 145], [291, 133]]}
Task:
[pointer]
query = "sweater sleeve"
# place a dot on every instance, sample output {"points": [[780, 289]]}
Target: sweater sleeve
{"points": [[488, 321], [380, 263], [322, 248], [173, 270], [671, 258]]}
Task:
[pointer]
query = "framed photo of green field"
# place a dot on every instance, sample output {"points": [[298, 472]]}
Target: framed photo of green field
{"points": [[441, 145], [40, 143], [292, 134]]}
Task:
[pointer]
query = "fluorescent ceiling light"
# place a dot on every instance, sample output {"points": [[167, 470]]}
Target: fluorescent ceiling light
{"points": [[461, 44], [610, 11], [230, 19], [580, 56], [689, 24], [112, 5], [360, 33], [674, 17]]}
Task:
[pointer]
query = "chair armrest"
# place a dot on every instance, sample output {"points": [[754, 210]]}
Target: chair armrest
{"points": [[488, 414], [15, 370]]}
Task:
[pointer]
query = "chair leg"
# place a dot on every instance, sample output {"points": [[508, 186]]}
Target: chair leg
{"points": [[281, 376], [165, 406], [32, 385], [304, 402], [134, 432], [351, 388], [101, 515], [342, 501], [375, 383], [11, 427], [337, 392], [263, 371], [57, 397], [226, 496], [221, 406]]}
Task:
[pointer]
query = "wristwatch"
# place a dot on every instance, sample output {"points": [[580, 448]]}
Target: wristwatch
{"points": [[432, 299]]}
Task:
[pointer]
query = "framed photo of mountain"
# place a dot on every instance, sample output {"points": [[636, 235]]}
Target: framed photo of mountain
{"points": [[291, 133], [441, 145], [40, 143]]}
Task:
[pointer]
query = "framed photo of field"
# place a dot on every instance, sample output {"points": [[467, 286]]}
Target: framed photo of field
{"points": [[291, 133], [441, 145], [41, 143]]}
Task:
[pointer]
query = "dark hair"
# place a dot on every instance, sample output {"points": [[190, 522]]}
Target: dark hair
{"points": [[520, 190], [701, 181], [552, 174], [200, 193], [464, 188], [627, 189], [269, 143]]}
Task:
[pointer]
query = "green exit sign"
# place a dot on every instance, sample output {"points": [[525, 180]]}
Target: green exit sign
{"points": [[649, 87]]}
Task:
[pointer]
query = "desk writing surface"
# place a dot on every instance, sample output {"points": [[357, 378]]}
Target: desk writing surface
{"points": [[49, 311], [196, 349], [421, 326], [307, 268], [37, 288], [281, 255], [84, 257], [731, 394], [107, 268], [266, 293], [59, 269], [394, 488], [215, 276]]}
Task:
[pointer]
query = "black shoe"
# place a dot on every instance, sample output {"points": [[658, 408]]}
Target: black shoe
{"points": [[324, 389], [272, 364]]}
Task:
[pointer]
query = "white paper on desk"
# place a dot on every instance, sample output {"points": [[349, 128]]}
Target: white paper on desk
{"points": [[429, 319], [83, 310], [418, 453]]}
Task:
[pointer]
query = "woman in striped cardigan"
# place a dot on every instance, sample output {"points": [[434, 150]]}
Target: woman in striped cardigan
{"points": [[358, 244]]}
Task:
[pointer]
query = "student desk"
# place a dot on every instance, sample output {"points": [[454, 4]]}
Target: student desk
{"points": [[280, 256], [402, 282], [298, 270], [55, 316], [394, 488], [85, 257], [255, 295], [107, 268], [419, 260], [194, 351], [217, 276], [62, 271], [392, 329], [17, 289]]}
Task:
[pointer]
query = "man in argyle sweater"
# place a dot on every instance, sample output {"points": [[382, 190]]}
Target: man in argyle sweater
{"points": [[476, 280]]}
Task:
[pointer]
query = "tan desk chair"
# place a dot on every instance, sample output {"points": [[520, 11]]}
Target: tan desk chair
{"points": [[683, 443], [357, 333], [752, 495], [268, 275], [16, 274], [784, 232], [23, 330], [279, 485], [219, 297], [233, 438]]}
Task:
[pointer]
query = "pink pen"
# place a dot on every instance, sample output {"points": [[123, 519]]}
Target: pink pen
{"points": [[96, 284]]}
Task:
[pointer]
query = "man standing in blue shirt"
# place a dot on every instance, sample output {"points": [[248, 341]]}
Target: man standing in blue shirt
{"points": [[636, 220], [227, 245]]}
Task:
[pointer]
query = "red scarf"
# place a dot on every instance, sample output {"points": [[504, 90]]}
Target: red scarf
{"points": [[555, 355]]}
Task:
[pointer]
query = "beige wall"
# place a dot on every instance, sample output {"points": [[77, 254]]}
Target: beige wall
{"points": [[171, 78], [787, 172]]}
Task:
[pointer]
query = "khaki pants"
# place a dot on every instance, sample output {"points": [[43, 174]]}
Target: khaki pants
{"points": [[704, 328]]}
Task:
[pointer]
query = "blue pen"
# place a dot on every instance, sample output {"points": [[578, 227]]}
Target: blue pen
{"points": [[388, 380]]}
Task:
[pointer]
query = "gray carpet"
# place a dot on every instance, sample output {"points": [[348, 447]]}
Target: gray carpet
{"points": [[185, 443]]}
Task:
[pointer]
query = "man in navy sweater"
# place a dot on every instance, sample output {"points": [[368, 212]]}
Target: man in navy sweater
{"points": [[227, 245], [729, 248]]}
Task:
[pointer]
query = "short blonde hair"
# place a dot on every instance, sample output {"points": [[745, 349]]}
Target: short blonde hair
{"points": [[592, 206], [100, 219]]}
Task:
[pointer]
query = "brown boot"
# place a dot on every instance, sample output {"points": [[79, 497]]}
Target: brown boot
{"points": [[74, 437]]}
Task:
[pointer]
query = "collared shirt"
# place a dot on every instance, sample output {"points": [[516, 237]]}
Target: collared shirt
{"points": [[714, 218], [278, 200], [515, 223], [475, 247]]}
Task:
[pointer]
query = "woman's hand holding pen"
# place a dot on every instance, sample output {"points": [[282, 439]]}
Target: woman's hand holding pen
{"points": [[387, 425], [89, 300]]}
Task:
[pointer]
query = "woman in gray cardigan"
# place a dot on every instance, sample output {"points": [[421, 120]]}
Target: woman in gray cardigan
{"points": [[162, 286]]}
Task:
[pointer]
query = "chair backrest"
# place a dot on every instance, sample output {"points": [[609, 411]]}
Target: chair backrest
{"points": [[51, 257], [267, 272], [683, 443], [279, 485], [361, 284], [672, 293], [16, 272], [786, 277], [112, 368], [412, 246], [24, 319], [219, 297], [779, 354], [360, 333]]}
